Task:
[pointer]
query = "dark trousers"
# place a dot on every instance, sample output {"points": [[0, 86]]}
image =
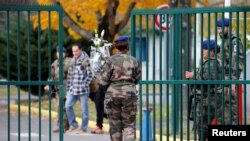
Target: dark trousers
{"points": [[99, 105]]}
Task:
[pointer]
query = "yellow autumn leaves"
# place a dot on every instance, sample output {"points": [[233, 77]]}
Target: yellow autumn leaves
{"points": [[83, 12]]}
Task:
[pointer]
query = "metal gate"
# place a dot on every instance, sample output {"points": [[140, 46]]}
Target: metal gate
{"points": [[167, 43], [23, 54]]}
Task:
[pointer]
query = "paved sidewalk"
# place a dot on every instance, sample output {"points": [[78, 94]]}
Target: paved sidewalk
{"points": [[20, 128], [13, 99], [46, 135]]}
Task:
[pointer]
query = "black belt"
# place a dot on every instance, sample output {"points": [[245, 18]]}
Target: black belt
{"points": [[122, 81]]}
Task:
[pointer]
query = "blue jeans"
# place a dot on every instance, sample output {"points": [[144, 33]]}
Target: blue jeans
{"points": [[70, 102]]}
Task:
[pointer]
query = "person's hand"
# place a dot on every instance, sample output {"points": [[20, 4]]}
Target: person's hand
{"points": [[46, 88], [189, 74], [233, 89]]}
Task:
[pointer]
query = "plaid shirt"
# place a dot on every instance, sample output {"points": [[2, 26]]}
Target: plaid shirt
{"points": [[79, 76]]}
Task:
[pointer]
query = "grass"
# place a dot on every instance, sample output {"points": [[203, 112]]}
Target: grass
{"points": [[159, 111], [46, 102], [155, 87], [13, 91]]}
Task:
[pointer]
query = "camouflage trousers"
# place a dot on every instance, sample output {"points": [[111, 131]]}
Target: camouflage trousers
{"points": [[65, 118], [121, 114], [206, 110], [230, 115]]}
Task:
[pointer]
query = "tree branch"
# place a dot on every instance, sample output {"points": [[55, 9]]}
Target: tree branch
{"points": [[111, 12], [103, 24], [173, 3], [125, 19], [99, 17], [70, 22]]}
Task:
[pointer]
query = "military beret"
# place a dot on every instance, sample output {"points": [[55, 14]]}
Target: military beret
{"points": [[64, 49], [208, 44], [122, 39], [220, 22]]}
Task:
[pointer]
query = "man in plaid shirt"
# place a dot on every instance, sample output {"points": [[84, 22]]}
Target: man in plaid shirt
{"points": [[78, 80]]}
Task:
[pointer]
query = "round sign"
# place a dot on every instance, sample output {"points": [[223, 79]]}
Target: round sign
{"points": [[161, 19]]}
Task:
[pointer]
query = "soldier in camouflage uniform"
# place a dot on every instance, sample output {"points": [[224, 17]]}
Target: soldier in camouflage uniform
{"points": [[55, 76], [121, 73], [208, 97], [232, 56]]}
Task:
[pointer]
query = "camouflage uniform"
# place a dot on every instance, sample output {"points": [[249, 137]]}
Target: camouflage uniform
{"points": [[208, 97], [121, 73], [55, 76], [231, 55]]}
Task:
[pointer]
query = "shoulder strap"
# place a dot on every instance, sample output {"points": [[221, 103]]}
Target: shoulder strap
{"points": [[233, 37], [108, 61], [217, 60], [234, 42], [211, 58], [84, 62]]}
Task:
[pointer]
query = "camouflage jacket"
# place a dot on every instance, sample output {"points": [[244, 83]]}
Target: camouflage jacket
{"points": [[121, 73], [232, 55], [209, 70], [55, 69]]}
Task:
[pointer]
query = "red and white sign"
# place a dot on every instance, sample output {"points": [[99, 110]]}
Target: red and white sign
{"points": [[161, 19]]}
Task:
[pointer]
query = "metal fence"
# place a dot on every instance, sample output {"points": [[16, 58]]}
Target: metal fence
{"points": [[168, 42], [25, 51]]}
